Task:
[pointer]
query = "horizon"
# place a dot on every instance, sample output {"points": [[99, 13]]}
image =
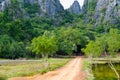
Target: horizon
{"points": [[67, 3]]}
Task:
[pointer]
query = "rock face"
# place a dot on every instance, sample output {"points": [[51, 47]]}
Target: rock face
{"points": [[85, 5], [88, 9], [105, 10], [50, 7], [108, 9], [4, 4], [101, 9], [96, 11], [75, 8]]}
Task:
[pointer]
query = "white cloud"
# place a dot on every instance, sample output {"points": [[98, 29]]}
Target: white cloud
{"points": [[67, 3]]}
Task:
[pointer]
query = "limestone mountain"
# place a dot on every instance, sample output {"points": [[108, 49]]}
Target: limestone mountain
{"points": [[34, 7], [109, 10], [95, 11], [75, 8], [4, 4], [99, 11]]}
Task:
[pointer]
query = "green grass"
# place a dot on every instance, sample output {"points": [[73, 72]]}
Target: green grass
{"points": [[105, 60], [87, 69], [28, 68]]}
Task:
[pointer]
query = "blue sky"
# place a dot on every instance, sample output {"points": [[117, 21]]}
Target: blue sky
{"points": [[67, 3]]}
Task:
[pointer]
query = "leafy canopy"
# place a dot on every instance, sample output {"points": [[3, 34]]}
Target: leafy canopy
{"points": [[45, 44]]}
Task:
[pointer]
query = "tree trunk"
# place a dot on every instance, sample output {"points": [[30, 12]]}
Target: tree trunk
{"points": [[112, 67], [45, 60], [90, 60]]}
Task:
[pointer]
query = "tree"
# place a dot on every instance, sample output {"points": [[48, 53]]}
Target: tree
{"points": [[10, 48], [14, 29], [68, 39], [89, 50], [95, 48], [109, 42], [113, 41], [45, 45], [5, 42]]}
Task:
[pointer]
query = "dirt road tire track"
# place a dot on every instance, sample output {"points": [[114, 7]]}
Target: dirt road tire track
{"points": [[71, 71]]}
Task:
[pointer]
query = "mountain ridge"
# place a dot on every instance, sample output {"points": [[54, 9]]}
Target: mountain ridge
{"points": [[75, 8], [96, 11]]}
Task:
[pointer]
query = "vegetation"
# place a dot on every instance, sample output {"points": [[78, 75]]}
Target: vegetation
{"points": [[45, 45], [71, 33], [87, 68], [28, 68], [102, 69], [31, 8], [108, 44], [28, 36]]}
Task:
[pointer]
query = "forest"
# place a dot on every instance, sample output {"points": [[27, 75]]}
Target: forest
{"points": [[67, 34], [71, 34]]}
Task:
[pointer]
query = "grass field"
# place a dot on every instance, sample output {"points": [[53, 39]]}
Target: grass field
{"points": [[15, 68], [105, 60]]}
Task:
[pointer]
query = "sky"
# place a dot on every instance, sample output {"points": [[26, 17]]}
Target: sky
{"points": [[67, 3]]}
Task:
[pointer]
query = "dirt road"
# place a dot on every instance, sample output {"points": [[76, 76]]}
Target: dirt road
{"points": [[71, 71]]}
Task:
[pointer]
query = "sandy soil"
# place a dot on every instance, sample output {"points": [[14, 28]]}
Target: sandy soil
{"points": [[71, 71]]}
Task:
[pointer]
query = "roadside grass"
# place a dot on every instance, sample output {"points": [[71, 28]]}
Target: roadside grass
{"points": [[24, 68], [105, 60], [87, 68]]}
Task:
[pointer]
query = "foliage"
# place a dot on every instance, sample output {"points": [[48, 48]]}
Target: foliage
{"points": [[10, 48], [45, 44], [113, 41], [109, 42], [68, 39], [31, 8], [21, 24], [92, 5], [95, 48], [28, 68]]}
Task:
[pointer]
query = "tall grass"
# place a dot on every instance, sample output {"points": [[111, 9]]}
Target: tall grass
{"points": [[87, 68], [19, 68]]}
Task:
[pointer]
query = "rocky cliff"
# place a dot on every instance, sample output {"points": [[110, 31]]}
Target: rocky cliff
{"points": [[109, 10], [101, 10], [96, 11], [51, 7], [75, 8], [41, 7], [4, 4]]}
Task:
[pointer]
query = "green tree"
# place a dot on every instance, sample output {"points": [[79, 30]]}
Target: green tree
{"points": [[10, 48], [94, 48], [15, 29], [45, 45], [109, 42], [89, 50], [68, 39], [113, 41]]}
